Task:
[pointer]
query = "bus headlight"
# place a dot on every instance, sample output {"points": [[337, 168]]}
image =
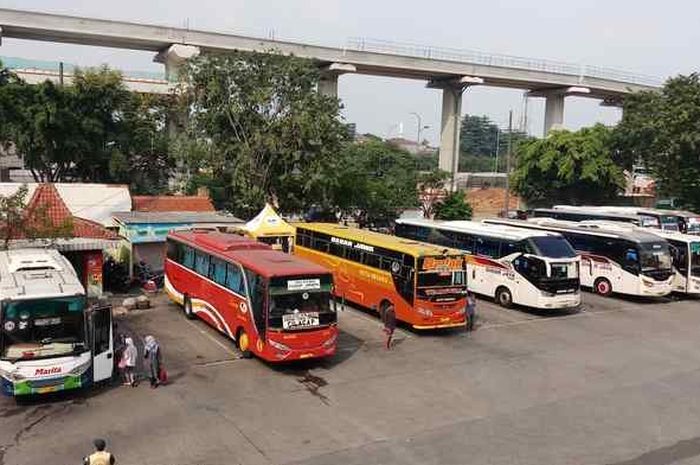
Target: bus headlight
{"points": [[424, 311], [80, 369], [279, 346], [330, 341], [13, 376]]}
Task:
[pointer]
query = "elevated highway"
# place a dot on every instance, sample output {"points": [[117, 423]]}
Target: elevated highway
{"points": [[451, 70]]}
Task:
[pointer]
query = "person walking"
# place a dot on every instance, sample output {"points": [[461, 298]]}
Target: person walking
{"points": [[389, 318], [153, 354], [471, 311], [100, 456], [129, 357]]}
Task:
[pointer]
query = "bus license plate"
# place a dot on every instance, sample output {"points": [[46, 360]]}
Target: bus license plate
{"points": [[300, 320]]}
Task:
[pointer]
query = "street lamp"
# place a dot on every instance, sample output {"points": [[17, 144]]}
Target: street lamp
{"points": [[420, 128]]}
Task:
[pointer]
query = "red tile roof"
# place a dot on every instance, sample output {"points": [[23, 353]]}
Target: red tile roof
{"points": [[47, 211], [171, 203]]}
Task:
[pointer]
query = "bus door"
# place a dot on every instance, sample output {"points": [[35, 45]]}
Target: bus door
{"points": [[100, 327]]}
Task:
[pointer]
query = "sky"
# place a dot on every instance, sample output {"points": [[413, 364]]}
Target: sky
{"points": [[635, 36]]}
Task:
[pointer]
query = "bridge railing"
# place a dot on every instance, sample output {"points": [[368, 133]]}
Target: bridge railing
{"points": [[505, 61]]}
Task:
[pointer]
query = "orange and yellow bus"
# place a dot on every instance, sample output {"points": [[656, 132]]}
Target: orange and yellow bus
{"points": [[426, 284]]}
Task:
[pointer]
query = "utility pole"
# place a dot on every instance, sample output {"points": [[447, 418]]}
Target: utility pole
{"points": [[510, 150], [60, 74]]}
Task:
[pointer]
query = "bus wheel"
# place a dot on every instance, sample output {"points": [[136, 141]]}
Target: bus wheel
{"points": [[602, 287], [504, 297], [187, 307], [243, 343]]}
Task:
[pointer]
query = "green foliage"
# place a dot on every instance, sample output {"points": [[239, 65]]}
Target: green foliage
{"points": [[375, 182], [431, 186], [453, 207], [481, 139], [662, 129], [94, 130], [478, 136], [262, 130], [568, 167]]}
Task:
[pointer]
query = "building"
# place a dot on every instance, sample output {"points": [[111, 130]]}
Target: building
{"points": [[49, 222], [145, 231]]}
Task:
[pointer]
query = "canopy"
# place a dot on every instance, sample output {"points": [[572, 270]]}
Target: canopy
{"points": [[268, 223]]}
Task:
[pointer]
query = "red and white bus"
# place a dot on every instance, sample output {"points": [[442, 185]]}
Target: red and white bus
{"points": [[276, 306]]}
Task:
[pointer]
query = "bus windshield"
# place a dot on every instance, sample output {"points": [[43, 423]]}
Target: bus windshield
{"points": [[693, 225], [648, 221], [440, 275], [553, 247], [42, 328], [669, 223], [695, 259], [300, 303], [654, 256]]}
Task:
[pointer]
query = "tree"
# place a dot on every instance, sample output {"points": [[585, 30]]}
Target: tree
{"points": [[268, 135], [453, 207], [94, 130], [662, 129], [431, 190], [376, 181], [481, 140], [568, 167]]}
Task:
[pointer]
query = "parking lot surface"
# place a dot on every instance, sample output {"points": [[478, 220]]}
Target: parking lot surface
{"points": [[616, 383]]}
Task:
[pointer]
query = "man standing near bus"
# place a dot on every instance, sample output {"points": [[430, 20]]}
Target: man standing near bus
{"points": [[389, 318], [471, 311]]}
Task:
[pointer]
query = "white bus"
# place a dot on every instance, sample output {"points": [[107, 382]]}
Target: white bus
{"points": [[613, 259], [49, 340], [535, 269], [685, 252], [648, 217]]}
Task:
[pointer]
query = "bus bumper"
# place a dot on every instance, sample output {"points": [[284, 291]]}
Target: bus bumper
{"points": [[45, 386], [559, 301], [649, 288]]}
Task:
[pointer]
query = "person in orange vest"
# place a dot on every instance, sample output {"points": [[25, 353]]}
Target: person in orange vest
{"points": [[100, 456]]}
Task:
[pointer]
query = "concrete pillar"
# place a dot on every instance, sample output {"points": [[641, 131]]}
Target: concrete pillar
{"points": [[553, 112], [449, 129], [174, 57], [328, 85]]}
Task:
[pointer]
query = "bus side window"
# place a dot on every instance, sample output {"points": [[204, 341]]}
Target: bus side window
{"points": [[201, 264], [488, 247], [188, 257], [372, 260], [234, 279], [217, 271]]}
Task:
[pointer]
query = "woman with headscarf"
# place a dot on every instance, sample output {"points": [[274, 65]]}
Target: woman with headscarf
{"points": [[152, 353], [129, 361]]}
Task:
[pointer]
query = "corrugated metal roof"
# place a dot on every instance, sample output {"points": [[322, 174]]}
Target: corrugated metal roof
{"points": [[175, 217]]}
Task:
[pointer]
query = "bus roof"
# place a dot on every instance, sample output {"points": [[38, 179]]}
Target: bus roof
{"points": [[256, 256], [37, 274], [492, 230], [614, 232], [410, 247], [584, 210], [624, 209]]}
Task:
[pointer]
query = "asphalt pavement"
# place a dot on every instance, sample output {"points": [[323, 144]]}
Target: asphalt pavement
{"points": [[616, 383]]}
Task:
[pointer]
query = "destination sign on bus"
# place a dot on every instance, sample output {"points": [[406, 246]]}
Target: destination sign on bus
{"points": [[442, 264], [303, 284]]}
